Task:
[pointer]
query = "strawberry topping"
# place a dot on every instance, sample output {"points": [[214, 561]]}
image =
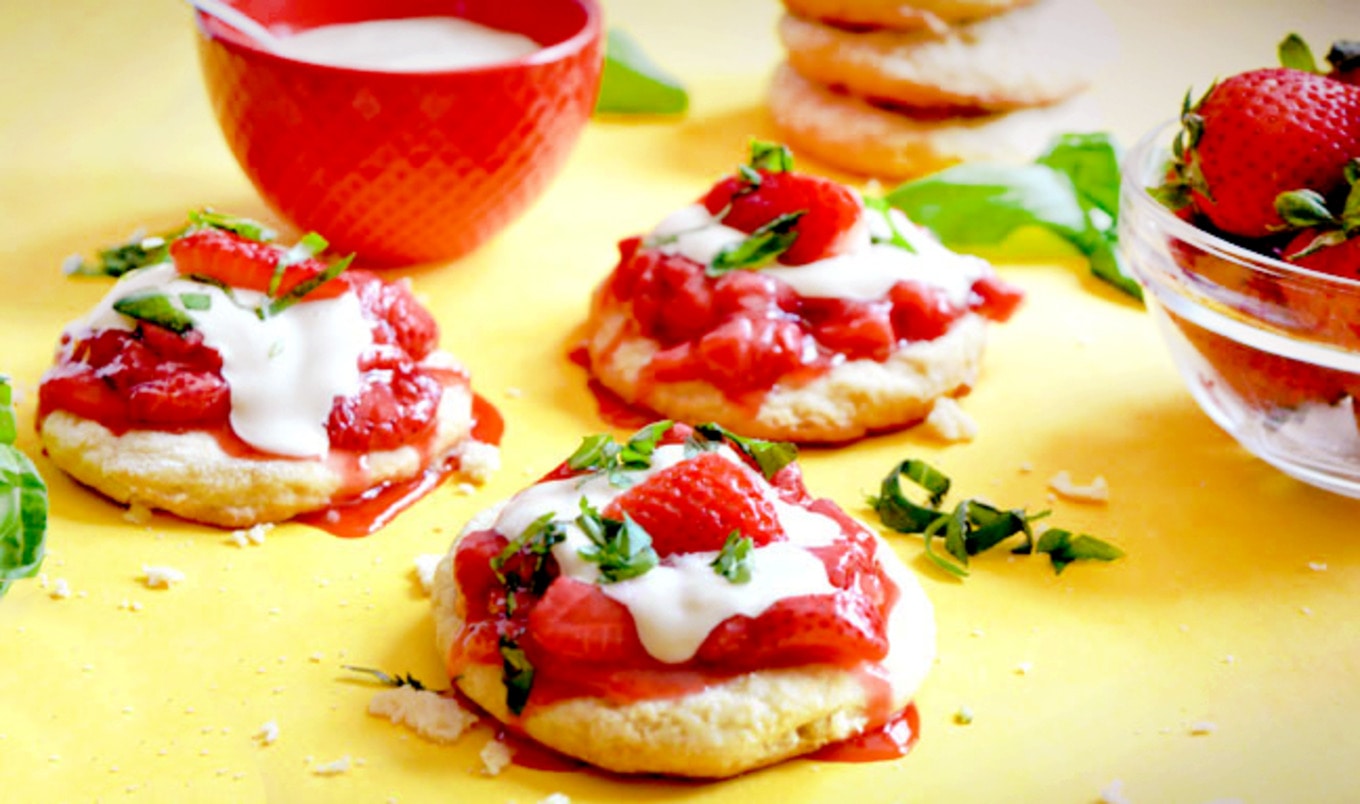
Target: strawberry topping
{"points": [[248, 264], [693, 506], [828, 211]]}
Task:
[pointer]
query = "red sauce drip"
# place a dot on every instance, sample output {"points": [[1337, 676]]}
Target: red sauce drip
{"points": [[487, 424], [892, 740], [372, 510], [527, 752], [611, 407]]}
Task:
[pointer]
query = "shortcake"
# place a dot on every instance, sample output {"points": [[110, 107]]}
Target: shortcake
{"points": [[903, 15], [788, 307], [1033, 56], [679, 604], [237, 382]]}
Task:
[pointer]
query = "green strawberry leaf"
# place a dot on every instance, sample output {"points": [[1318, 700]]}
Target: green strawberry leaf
{"points": [[1295, 54]]}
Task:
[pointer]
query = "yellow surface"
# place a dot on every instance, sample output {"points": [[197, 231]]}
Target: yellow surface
{"points": [[1214, 619]]}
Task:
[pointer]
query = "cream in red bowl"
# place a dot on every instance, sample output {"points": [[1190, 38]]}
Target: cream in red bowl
{"points": [[680, 604], [404, 166], [789, 307], [237, 382]]}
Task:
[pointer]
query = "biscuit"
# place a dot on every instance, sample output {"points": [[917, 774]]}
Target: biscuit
{"points": [[746, 722], [1035, 55], [848, 401], [900, 14], [857, 136], [188, 474]]}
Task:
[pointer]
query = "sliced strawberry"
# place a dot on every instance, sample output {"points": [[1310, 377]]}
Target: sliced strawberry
{"points": [[179, 399], [74, 388], [395, 314], [482, 592], [246, 264], [750, 352], [576, 621], [841, 628], [855, 329], [830, 211], [1000, 299], [394, 407], [187, 349], [921, 312], [693, 506], [749, 291]]}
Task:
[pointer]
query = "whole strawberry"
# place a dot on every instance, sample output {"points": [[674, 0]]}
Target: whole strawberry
{"points": [[1259, 134]]}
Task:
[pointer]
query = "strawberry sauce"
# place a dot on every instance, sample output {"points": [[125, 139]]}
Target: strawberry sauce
{"points": [[891, 740]]}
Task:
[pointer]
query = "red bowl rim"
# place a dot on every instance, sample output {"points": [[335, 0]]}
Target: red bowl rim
{"points": [[240, 43], [1134, 171]]}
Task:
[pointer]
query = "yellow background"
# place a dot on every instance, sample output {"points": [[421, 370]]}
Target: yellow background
{"points": [[1215, 616]]}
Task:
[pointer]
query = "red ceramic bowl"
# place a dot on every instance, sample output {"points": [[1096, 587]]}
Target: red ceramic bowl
{"points": [[404, 168]]}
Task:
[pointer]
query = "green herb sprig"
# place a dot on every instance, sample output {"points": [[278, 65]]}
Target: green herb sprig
{"points": [[517, 672], [770, 456], [601, 454], [536, 543], [620, 548], [734, 559], [23, 502], [388, 679], [972, 526], [759, 248]]}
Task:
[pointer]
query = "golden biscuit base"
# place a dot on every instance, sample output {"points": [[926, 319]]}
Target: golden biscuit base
{"points": [[1036, 55], [906, 15], [190, 476], [747, 722], [849, 401], [854, 135]]}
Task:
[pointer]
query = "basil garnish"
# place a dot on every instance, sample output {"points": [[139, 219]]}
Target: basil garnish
{"points": [[759, 248], [972, 526], [772, 157], [516, 672], [770, 456], [154, 308], [734, 559], [600, 453], [621, 549]]}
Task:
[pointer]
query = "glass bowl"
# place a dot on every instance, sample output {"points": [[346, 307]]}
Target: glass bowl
{"points": [[1270, 351]]}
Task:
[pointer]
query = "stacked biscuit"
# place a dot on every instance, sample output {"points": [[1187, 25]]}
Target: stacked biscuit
{"points": [[900, 88]]}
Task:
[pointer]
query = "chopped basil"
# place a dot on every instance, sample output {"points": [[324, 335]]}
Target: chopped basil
{"points": [[772, 157], [245, 227], [23, 502], [896, 238], [517, 673], [622, 550], [387, 679], [1062, 548], [734, 559], [301, 289], [538, 539], [310, 245], [600, 453], [760, 248], [154, 308], [770, 456], [196, 301], [631, 83], [972, 526], [138, 251]]}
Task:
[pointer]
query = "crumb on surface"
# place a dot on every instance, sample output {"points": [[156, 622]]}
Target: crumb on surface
{"points": [[1097, 491], [339, 766], [268, 733], [60, 589], [1113, 793], [1203, 727], [428, 714], [161, 577], [137, 514], [495, 756], [426, 564], [949, 422]]}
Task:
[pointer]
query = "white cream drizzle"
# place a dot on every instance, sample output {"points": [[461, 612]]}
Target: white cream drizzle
{"points": [[284, 372], [415, 44], [865, 271], [676, 604]]}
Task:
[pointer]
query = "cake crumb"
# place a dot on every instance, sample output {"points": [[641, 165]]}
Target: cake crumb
{"points": [[254, 535], [1023, 668], [335, 768], [495, 756], [426, 564], [478, 461], [514, 393], [1097, 491], [1026, 467], [428, 714], [1317, 566], [964, 715], [1113, 793], [161, 577], [949, 422], [60, 590], [137, 514], [268, 733], [1203, 727]]}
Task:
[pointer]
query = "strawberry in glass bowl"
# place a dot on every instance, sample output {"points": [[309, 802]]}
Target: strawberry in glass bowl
{"points": [[1240, 220]]}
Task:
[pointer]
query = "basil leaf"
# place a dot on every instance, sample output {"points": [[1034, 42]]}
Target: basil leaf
{"points": [[632, 83], [601, 453], [596, 452], [760, 248], [1063, 549], [771, 157], [622, 550], [388, 679], [898, 512], [538, 539], [195, 301], [155, 308], [770, 456], [928, 535], [637, 453], [1071, 191], [23, 503], [307, 247], [245, 227], [114, 261], [301, 289], [897, 238], [734, 559], [517, 673]]}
